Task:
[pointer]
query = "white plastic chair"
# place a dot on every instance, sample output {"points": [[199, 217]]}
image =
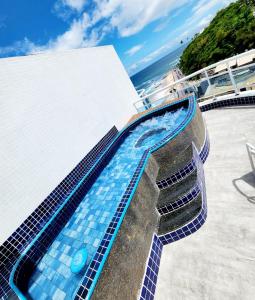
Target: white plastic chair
{"points": [[251, 154]]}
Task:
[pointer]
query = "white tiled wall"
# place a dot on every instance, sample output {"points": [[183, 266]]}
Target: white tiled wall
{"points": [[53, 109]]}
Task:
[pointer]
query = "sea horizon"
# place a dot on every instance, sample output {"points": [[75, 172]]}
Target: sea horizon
{"points": [[154, 73]]}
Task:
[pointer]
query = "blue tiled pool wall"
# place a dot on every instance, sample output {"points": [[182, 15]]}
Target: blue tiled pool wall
{"points": [[205, 150], [36, 251], [95, 267], [19, 240], [196, 189], [32, 257], [186, 170], [152, 268], [199, 220], [153, 263], [151, 273], [92, 273], [6, 269], [183, 200], [249, 100]]}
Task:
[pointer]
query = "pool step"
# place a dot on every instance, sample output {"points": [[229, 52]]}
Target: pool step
{"points": [[181, 201], [172, 164], [177, 190], [180, 216]]}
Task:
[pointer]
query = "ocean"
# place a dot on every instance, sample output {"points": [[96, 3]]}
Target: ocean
{"points": [[149, 77]]}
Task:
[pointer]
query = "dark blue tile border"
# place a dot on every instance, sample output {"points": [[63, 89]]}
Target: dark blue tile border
{"points": [[29, 257], [183, 200], [13, 247], [186, 170], [199, 220], [196, 163], [196, 189], [237, 101], [96, 264], [151, 273], [152, 267], [95, 267], [178, 176], [18, 241]]}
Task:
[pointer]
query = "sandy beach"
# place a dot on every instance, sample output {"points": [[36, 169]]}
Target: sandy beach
{"points": [[171, 77]]}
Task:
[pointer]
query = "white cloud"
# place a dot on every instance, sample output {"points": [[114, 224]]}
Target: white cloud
{"points": [[128, 17], [80, 34], [155, 54], [131, 16], [73, 4], [19, 47], [199, 19], [74, 37], [205, 21], [202, 14], [132, 68], [161, 26], [150, 57], [134, 50], [204, 6], [200, 5], [65, 9]]}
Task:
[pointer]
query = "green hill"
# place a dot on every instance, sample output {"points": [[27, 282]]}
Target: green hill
{"points": [[232, 31]]}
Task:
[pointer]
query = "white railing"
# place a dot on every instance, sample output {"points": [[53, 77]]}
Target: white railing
{"points": [[141, 92], [229, 78], [251, 154]]}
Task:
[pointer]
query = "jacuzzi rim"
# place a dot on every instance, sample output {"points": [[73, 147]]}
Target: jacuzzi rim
{"points": [[145, 133], [191, 99]]}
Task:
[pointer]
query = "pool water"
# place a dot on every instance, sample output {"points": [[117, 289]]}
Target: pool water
{"points": [[53, 277], [148, 136]]}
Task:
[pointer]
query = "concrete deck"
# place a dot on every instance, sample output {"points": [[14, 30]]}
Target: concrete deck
{"points": [[218, 261]]}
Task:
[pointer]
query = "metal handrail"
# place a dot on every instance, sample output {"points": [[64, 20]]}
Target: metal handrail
{"points": [[207, 77], [251, 154], [141, 92]]}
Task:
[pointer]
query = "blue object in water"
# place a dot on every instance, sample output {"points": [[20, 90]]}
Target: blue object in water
{"points": [[79, 260]]}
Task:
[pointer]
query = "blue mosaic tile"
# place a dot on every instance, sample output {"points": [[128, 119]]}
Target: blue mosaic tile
{"points": [[19, 240], [183, 200], [151, 274], [87, 282], [249, 100], [199, 220], [67, 212], [193, 193], [186, 170], [152, 268]]}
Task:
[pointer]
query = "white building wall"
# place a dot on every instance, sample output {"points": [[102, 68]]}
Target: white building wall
{"points": [[53, 109]]}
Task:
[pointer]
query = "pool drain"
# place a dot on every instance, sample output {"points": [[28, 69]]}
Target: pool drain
{"points": [[79, 260]]}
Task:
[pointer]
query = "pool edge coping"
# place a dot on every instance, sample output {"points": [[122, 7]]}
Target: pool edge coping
{"points": [[190, 99]]}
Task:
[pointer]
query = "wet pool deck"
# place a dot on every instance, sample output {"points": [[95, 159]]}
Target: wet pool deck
{"points": [[218, 261]]}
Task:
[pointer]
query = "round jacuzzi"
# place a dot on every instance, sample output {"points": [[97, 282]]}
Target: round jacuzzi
{"points": [[142, 141]]}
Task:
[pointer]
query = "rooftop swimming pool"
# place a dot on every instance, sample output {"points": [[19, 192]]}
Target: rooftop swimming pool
{"points": [[98, 232], [54, 276]]}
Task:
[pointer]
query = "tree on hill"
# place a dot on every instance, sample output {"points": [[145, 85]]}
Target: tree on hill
{"points": [[232, 31]]}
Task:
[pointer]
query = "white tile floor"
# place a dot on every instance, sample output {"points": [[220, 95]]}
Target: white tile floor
{"points": [[218, 261]]}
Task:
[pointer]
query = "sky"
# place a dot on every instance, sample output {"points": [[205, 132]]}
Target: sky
{"points": [[142, 31]]}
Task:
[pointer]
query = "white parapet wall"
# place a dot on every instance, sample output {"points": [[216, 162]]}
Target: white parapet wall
{"points": [[54, 107]]}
